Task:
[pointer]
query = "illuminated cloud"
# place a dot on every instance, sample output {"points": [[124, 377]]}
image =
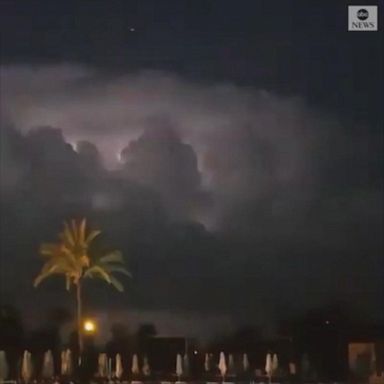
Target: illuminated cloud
{"points": [[214, 185]]}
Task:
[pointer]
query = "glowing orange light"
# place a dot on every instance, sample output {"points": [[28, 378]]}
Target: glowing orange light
{"points": [[89, 326]]}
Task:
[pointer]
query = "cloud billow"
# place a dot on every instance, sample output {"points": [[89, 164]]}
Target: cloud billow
{"points": [[213, 184]]}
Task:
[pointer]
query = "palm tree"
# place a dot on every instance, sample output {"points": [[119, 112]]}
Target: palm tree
{"points": [[74, 257]]}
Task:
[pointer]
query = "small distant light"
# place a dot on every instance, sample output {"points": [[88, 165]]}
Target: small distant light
{"points": [[195, 352], [132, 29], [327, 322]]}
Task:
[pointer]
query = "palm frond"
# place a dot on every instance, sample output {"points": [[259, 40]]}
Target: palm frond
{"points": [[112, 257], [60, 255], [57, 268], [67, 282], [44, 274], [69, 257], [74, 231], [67, 235], [91, 236], [48, 249], [72, 258], [119, 269], [117, 284], [82, 229], [97, 270]]}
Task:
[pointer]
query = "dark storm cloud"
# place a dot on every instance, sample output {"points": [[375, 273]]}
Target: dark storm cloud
{"points": [[225, 190], [267, 140]]}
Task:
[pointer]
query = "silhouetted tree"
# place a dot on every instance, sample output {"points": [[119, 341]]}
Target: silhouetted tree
{"points": [[144, 333], [75, 257], [121, 341]]}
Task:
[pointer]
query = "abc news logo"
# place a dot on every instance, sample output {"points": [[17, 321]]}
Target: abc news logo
{"points": [[362, 18]]}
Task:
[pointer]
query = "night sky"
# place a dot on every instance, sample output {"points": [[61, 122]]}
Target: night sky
{"points": [[232, 150]]}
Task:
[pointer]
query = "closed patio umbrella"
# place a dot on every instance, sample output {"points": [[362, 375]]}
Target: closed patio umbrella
{"points": [[186, 364], [231, 365], [66, 367], [48, 370], [179, 366], [207, 363], [63, 366], [275, 363], [118, 366], [305, 366], [146, 367], [4, 369], [245, 362], [102, 365], [268, 365], [26, 367], [222, 365], [135, 365], [109, 368], [69, 362]]}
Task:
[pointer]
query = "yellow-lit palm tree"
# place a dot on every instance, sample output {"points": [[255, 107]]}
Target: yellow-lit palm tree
{"points": [[74, 257]]}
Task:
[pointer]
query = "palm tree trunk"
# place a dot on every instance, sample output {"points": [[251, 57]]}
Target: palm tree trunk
{"points": [[79, 320]]}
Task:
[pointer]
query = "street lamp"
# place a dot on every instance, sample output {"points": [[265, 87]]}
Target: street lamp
{"points": [[89, 326]]}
